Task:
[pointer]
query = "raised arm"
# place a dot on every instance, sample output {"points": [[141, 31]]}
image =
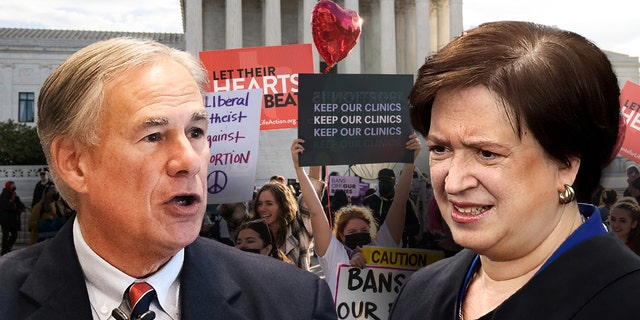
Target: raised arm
{"points": [[319, 223], [396, 215]]}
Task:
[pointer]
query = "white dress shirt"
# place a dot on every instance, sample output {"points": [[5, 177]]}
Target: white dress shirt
{"points": [[106, 284]]}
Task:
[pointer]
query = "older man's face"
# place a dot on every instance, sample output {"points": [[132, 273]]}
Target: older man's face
{"points": [[147, 178]]}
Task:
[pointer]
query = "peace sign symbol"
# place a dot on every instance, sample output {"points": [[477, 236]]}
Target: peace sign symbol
{"points": [[217, 181]]}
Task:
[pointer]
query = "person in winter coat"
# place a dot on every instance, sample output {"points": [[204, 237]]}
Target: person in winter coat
{"points": [[10, 209]]}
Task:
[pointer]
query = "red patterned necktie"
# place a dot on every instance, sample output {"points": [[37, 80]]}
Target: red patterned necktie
{"points": [[141, 294]]}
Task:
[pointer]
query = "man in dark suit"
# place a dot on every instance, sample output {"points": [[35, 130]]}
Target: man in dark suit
{"points": [[124, 129]]}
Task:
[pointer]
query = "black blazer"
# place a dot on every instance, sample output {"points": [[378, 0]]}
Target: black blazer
{"points": [[597, 279], [45, 281]]}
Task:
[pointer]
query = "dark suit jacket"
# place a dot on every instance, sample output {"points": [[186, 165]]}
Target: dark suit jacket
{"points": [[45, 281], [596, 279]]}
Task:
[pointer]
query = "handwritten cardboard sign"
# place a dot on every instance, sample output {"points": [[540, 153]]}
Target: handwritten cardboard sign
{"points": [[354, 118], [369, 293], [274, 69], [233, 136], [630, 110]]}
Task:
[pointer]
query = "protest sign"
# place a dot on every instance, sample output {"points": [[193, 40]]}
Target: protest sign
{"points": [[233, 136], [364, 187], [630, 110], [350, 185], [401, 257], [274, 69], [369, 293], [354, 118]]}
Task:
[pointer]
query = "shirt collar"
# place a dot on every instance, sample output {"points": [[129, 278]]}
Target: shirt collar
{"points": [[106, 284]]}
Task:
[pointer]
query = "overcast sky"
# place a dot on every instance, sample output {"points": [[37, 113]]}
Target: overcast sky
{"points": [[612, 24]]}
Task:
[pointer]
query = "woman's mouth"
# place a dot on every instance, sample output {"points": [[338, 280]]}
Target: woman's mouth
{"points": [[468, 214], [472, 210]]}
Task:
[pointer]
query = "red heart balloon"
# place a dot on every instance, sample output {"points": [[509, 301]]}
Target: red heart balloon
{"points": [[335, 31]]}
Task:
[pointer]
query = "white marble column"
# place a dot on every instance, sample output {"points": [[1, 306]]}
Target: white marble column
{"points": [[443, 23], [272, 19], [7, 101], [455, 18], [233, 24], [194, 40], [351, 64], [387, 37], [307, 35], [423, 31]]}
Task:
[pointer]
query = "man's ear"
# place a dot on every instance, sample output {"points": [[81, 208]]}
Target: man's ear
{"points": [[568, 172], [68, 157]]}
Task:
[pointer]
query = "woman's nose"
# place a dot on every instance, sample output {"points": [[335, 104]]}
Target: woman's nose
{"points": [[459, 176]]}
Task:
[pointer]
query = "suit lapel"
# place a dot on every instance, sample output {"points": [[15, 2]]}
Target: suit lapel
{"points": [[206, 292], [56, 282]]}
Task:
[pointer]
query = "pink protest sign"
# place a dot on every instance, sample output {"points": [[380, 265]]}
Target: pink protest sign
{"points": [[630, 110]]}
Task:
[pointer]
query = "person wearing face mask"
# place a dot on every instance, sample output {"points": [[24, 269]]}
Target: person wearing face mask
{"points": [[354, 226], [255, 237], [10, 209], [380, 202]]}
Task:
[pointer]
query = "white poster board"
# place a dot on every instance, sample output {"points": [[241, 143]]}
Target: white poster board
{"points": [[368, 293], [233, 136]]}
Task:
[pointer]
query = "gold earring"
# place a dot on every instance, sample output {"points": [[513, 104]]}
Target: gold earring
{"points": [[568, 195]]}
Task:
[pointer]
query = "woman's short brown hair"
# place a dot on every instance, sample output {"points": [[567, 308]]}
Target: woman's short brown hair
{"points": [[555, 83]]}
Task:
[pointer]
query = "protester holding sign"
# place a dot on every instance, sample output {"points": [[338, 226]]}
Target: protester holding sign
{"points": [[520, 120], [354, 225]]}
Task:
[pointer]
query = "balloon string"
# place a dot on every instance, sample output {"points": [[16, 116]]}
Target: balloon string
{"points": [[326, 70]]}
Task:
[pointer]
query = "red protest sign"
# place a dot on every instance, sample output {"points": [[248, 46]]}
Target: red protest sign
{"points": [[630, 110], [274, 69]]}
